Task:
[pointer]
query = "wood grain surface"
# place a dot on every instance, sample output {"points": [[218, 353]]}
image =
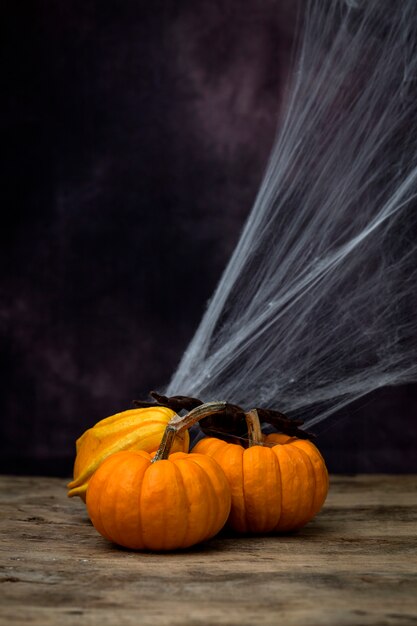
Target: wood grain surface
{"points": [[356, 563]]}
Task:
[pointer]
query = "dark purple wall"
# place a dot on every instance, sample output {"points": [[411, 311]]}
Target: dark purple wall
{"points": [[136, 135]]}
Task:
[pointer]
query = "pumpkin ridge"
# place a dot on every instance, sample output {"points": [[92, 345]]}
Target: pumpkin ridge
{"points": [[253, 496], [182, 465], [280, 483], [271, 490], [137, 477], [297, 488], [192, 460], [112, 519], [100, 505], [312, 473], [187, 515], [158, 514], [286, 467], [306, 493], [96, 517], [203, 477], [217, 513], [104, 522], [245, 512], [237, 515], [320, 471], [140, 516]]}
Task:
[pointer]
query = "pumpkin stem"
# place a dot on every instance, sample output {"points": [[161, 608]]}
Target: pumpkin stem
{"points": [[180, 423], [254, 428]]}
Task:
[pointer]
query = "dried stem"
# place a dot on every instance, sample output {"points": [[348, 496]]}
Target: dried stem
{"points": [[228, 422], [254, 428], [178, 424]]}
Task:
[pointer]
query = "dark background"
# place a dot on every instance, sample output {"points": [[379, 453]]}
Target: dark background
{"points": [[135, 136]]}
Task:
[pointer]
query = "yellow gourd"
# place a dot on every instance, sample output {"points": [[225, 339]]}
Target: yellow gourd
{"points": [[135, 429]]}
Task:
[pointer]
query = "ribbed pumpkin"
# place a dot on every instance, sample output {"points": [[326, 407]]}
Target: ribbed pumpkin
{"points": [[136, 429], [277, 485], [164, 505]]}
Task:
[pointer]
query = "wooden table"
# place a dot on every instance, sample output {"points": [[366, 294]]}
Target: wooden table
{"points": [[356, 563]]}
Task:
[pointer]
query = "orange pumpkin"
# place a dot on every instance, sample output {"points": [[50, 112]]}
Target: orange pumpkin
{"points": [[278, 484], [136, 429], [166, 505]]}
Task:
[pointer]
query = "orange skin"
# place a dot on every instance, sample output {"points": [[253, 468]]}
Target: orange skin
{"points": [[276, 487], [135, 429], [166, 505]]}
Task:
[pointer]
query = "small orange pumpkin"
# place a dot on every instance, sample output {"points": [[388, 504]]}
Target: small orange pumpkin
{"points": [[278, 484], [135, 429], [161, 503]]}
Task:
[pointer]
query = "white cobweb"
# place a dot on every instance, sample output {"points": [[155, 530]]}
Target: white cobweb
{"points": [[317, 305]]}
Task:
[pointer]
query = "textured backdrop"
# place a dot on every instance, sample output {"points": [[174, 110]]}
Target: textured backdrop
{"points": [[136, 135]]}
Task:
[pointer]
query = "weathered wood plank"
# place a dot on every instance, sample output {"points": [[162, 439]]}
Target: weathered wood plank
{"points": [[356, 563]]}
